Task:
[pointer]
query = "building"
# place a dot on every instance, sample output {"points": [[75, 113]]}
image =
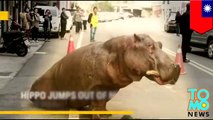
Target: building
{"points": [[137, 8], [14, 7], [172, 6]]}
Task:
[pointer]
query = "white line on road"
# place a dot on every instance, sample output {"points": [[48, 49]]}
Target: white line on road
{"points": [[80, 40], [71, 116], [193, 63], [41, 53], [200, 68], [6, 77]]}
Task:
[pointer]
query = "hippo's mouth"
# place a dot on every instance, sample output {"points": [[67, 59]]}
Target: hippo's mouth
{"points": [[156, 76]]}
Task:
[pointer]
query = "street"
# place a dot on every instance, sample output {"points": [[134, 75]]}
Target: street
{"points": [[145, 98]]}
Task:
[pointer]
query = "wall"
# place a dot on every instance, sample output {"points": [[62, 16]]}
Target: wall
{"points": [[173, 6]]}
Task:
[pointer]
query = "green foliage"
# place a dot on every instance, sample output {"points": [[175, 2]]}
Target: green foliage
{"points": [[104, 6]]}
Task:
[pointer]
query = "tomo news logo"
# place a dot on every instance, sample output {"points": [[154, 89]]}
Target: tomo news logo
{"points": [[198, 103]]}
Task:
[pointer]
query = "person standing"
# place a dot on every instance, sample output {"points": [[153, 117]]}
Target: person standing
{"points": [[25, 16], [84, 17], [177, 19], [186, 33], [93, 20], [78, 20], [35, 25], [47, 25], [64, 18]]}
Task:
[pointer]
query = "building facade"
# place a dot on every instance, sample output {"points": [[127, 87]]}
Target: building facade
{"points": [[16, 6], [172, 6]]}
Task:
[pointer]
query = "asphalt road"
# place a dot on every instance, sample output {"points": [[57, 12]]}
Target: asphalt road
{"points": [[145, 98]]}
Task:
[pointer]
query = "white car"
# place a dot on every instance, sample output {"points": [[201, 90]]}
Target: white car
{"points": [[101, 17], [55, 18], [69, 21]]}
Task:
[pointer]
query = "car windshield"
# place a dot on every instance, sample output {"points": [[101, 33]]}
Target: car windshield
{"points": [[53, 12]]}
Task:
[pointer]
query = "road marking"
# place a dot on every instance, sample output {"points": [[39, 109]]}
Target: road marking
{"points": [[200, 68], [6, 77], [193, 63], [80, 40], [73, 116], [41, 53]]}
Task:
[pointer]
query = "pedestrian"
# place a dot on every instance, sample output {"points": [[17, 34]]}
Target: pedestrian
{"points": [[186, 33], [31, 17], [78, 20], [64, 18], [35, 25], [177, 19], [25, 17], [47, 25], [93, 20], [84, 17]]}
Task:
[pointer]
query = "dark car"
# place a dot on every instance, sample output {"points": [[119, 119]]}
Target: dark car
{"points": [[204, 41], [170, 25]]}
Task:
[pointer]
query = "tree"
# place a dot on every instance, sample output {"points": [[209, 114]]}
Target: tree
{"points": [[104, 6]]}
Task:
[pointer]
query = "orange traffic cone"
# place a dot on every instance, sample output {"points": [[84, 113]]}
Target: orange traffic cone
{"points": [[179, 60], [70, 47]]}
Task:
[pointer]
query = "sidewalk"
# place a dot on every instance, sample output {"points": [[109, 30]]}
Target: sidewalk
{"points": [[10, 64]]}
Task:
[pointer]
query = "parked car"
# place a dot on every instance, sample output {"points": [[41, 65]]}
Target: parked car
{"points": [[72, 11], [170, 25], [108, 16], [204, 41], [69, 21], [117, 16], [127, 15], [55, 19], [121, 15], [101, 17]]}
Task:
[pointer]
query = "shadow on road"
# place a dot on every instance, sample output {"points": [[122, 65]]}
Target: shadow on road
{"points": [[200, 53]]}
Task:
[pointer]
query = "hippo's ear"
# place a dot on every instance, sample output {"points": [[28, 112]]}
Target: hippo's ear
{"points": [[137, 38]]}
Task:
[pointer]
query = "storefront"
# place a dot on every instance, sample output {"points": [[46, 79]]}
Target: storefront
{"points": [[4, 7], [14, 7]]}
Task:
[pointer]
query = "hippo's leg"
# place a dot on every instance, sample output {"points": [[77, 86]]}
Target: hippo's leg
{"points": [[45, 84], [51, 104], [99, 106]]}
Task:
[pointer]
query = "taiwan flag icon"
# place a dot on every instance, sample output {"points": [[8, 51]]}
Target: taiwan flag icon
{"points": [[201, 15]]}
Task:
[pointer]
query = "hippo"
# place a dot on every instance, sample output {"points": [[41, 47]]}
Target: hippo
{"points": [[105, 66]]}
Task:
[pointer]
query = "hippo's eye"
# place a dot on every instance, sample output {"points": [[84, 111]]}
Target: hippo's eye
{"points": [[151, 48]]}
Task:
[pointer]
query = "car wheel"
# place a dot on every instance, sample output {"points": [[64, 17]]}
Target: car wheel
{"points": [[210, 50]]}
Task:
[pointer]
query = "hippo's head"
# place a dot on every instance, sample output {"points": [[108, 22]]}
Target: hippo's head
{"points": [[144, 57]]}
